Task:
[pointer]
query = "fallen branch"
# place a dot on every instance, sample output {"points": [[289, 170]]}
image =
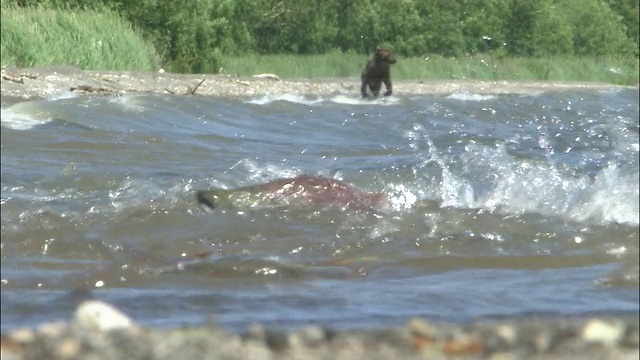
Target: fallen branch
{"points": [[29, 76], [241, 82], [193, 91], [13, 78], [267, 76], [190, 90], [91, 89]]}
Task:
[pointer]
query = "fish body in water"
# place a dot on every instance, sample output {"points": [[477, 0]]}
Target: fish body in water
{"points": [[304, 189]]}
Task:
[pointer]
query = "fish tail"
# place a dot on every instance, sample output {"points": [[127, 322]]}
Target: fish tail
{"points": [[207, 197]]}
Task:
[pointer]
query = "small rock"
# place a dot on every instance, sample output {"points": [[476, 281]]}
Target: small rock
{"points": [[10, 349], [507, 333], [254, 350], [312, 335], [419, 327], [423, 333], [504, 356], [596, 330], [463, 346], [542, 341], [22, 336], [294, 340], [276, 340], [52, 329], [631, 338], [98, 315], [68, 349], [255, 331]]}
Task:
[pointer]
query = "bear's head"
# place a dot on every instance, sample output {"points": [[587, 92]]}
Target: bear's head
{"points": [[385, 55]]}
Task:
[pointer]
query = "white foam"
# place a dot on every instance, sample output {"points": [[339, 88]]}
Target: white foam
{"points": [[62, 96], [470, 97], [343, 99], [293, 98], [613, 197], [401, 197], [385, 101], [490, 178], [14, 118], [260, 173], [338, 99], [128, 102], [548, 190]]}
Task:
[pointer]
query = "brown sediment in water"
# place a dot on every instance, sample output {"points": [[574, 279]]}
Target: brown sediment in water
{"points": [[21, 84]]}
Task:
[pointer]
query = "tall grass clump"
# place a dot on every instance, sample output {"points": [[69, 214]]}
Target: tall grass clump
{"points": [[611, 70], [89, 39], [333, 64]]}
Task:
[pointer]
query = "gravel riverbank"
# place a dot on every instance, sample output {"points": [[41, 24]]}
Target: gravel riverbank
{"points": [[99, 331], [22, 84]]}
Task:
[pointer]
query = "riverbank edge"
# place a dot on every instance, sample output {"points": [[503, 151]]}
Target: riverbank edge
{"points": [[99, 331], [19, 84]]}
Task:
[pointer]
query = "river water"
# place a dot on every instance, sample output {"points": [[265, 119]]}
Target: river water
{"points": [[499, 205]]}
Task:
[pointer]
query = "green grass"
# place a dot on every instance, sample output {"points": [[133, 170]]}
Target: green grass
{"points": [[477, 67], [101, 40], [91, 40]]}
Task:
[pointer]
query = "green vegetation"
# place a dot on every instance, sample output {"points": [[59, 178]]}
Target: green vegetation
{"points": [[477, 67], [491, 39], [87, 38]]}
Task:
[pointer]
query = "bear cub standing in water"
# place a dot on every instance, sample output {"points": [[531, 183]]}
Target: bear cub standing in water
{"points": [[376, 72]]}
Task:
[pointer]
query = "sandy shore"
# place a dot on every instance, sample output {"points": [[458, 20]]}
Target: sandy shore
{"points": [[21, 84], [99, 331]]}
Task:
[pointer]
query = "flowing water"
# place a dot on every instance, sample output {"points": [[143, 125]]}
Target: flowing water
{"points": [[499, 205]]}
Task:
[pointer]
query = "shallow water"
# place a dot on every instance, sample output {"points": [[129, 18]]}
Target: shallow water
{"points": [[499, 205]]}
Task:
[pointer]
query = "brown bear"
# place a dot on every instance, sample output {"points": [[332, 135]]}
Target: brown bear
{"points": [[376, 72]]}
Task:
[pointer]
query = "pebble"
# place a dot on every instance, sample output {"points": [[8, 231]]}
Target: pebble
{"points": [[312, 335], [256, 332], [606, 333], [10, 349], [632, 338], [22, 335], [504, 356], [542, 341], [68, 349], [88, 337], [51, 329], [276, 340], [464, 345], [98, 315], [419, 327], [507, 333]]}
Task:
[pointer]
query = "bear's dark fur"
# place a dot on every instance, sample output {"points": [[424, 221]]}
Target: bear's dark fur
{"points": [[376, 72]]}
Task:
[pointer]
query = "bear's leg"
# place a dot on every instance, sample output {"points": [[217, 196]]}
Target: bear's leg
{"points": [[363, 89], [387, 84], [375, 88]]}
